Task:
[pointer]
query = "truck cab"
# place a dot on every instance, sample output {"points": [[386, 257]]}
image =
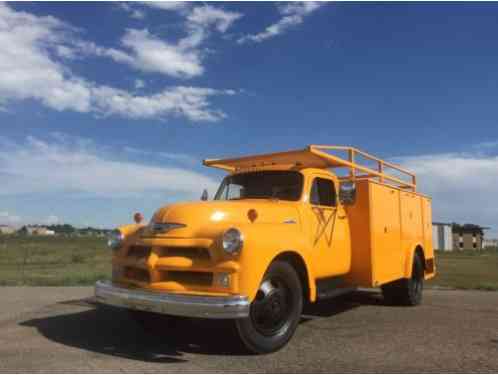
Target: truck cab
{"points": [[283, 229]]}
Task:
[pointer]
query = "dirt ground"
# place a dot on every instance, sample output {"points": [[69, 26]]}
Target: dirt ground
{"points": [[53, 329]]}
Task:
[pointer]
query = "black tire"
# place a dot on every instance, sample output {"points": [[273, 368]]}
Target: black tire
{"points": [[152, 322], [406, 292], [275, 312]]}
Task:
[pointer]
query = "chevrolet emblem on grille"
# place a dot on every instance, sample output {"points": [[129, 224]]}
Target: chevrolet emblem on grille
{"points": [[165, 227]]}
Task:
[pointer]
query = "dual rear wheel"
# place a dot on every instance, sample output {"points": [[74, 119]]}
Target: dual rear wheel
{"points": [[407, 292]]}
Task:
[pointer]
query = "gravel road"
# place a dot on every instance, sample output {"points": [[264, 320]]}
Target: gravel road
{"points": [[54, 329]]}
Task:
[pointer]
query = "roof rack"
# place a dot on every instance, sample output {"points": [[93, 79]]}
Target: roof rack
{"points": [[320, 156]]}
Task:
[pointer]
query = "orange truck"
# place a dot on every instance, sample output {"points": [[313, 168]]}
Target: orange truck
{"points": [[283, 229]]}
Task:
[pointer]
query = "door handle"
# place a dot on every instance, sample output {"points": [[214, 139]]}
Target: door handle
{"points": [[341, 217]]}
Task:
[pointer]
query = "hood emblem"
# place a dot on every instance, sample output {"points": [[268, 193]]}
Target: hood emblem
{"points": [[165, 227]]}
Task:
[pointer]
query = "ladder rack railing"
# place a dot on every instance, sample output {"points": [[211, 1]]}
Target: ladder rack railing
{"points": [[354, 167]]}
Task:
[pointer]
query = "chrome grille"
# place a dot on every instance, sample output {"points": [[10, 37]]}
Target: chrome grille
{"points": [[139, 252], [137, 274], [189, 277], [187, 252]]}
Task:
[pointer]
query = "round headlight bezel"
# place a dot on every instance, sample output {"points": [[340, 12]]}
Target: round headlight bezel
{"points": [[232, 241], [115, 239]]}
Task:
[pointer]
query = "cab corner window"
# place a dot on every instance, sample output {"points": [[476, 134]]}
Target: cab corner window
{"points": [[323, 192]]}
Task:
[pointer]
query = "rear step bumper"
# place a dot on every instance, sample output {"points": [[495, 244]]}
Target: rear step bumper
{"points": [[213, 307]]}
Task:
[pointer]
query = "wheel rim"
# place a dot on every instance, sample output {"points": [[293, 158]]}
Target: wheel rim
{"points": [[272, 307]]}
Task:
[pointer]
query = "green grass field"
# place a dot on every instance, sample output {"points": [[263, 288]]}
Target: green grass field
{"points": [[83, 260], [467, 269], [53, 260]]}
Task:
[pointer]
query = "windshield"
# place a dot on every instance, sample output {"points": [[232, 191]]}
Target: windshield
{"points": [[284, 185]]}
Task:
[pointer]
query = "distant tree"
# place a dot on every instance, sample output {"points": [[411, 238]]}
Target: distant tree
{"points": [[23, 230], [467, 228], [62, 228]]}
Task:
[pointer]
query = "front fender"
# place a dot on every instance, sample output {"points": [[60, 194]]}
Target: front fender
{"points": [[130, 229], [262, 244], [131, 234]]}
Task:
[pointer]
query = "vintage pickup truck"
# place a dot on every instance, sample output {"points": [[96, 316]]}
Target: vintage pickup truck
{"points": [[283, 229]]}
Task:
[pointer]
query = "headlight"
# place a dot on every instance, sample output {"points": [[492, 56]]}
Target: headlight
{"points": [[232, 241], [115, 239]]}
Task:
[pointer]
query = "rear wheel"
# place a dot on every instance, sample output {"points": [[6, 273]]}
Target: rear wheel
{"points": [[407, 292], [275, 312]]}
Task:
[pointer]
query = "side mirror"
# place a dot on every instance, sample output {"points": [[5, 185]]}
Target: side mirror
{"points": [[204, 196], [347, 193]]}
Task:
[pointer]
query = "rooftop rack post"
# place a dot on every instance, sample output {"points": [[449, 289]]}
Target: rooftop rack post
{"points": [[381, 171], [352, 171]]}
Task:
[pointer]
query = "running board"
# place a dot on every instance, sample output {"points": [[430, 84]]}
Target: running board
{"points": [[331, 287], [332, 293]]}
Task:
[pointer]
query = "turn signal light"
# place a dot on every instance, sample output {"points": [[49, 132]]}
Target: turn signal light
{"points": [[252, 215], [138, 217]]}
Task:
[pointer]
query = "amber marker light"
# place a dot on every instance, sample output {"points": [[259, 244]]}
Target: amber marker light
{"points": [[252, 214], [138, 217]]}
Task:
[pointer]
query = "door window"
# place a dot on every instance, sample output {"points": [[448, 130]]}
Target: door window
{"points": [[323, 192]]}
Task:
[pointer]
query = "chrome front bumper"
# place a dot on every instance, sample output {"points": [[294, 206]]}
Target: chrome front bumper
{"points": [[213, 307]]}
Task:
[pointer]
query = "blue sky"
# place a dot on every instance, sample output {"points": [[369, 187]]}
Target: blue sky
{"points": [[109, 108]]}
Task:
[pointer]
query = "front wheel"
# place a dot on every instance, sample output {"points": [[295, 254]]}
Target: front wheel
{"points": [[275, 312]]}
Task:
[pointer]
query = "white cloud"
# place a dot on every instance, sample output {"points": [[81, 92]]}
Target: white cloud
{"points": [[29, 70], [51, 219], [133, 12], [464, 187], [7, 218], [151, 54], [207, 15], [486, 145], [181, 101], [176, 157], [180, 158], [65, 52], [65, 165], [292, 15], [167, 5], [139, 84]]}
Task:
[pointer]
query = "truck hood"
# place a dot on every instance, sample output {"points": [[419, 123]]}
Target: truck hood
{"points": [[204, 216]]}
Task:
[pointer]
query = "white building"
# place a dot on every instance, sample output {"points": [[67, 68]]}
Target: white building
{"points": [[6, 229], [442, 236], [491, 242]]}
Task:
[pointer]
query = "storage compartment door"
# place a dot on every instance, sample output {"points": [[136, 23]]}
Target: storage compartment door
{"points": [[388, 260], [412, 226]]}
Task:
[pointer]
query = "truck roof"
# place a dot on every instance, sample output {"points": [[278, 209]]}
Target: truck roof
{"points": [[323, 157]]}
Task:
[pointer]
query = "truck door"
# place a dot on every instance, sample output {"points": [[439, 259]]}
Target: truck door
{"points": [[329, 229]]}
